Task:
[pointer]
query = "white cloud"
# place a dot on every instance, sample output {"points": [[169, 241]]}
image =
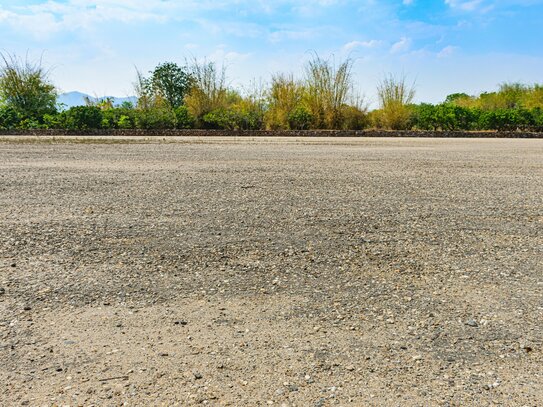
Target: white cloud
{"points": [[407, 2], [361, 44], [465, 5], [402, 45], [447, 51]]}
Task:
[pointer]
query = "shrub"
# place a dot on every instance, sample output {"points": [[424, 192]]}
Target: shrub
{"points": [[9, 118], [183, 118], [53, 121], [155, 118], [119, 117], [300, 118], [220, 119], [82, 118], [125, 122], [26, 88]]}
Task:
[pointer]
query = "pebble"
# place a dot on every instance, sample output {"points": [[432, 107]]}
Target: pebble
{"points": [[472, 323], [2, 290]]}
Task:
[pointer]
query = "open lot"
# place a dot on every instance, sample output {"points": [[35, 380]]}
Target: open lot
{"points": [[295, 272]]}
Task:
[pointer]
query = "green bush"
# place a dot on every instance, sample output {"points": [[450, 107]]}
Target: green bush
{"points": [[537, 118], [354, 118], [445, 116], [300, 118], [82, 118], [119, 118], [53, 121], [506, 119], [250, 120], [125, 122], [9, 118], [223, 119], [183, 118], [155, 118]]}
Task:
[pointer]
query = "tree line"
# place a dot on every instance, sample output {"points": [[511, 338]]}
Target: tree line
{"points": [[197, 95]]}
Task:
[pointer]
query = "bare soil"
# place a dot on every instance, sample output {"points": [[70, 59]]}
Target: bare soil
{"points": [[288, 272]]}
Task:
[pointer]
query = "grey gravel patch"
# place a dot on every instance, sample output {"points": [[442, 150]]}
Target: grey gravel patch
{"points": [[358, 272]]}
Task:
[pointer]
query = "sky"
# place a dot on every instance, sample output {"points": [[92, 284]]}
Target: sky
{"points": [[442, 46]]}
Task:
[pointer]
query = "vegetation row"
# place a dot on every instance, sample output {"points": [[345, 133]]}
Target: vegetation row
{"points": [[198, 95]]}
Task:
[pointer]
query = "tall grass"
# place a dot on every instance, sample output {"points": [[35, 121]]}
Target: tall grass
{"points": [[209, 91], [284, 97], [395, 95], [328, 91]]}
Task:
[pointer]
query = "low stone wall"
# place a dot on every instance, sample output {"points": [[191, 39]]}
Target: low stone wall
{"points": [[272, 133]]}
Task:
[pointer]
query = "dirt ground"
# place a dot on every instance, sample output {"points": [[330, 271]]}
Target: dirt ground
{"points": [[287, 272]]}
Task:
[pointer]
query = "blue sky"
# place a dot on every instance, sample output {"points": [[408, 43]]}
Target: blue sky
{"points": [[444, 46]]}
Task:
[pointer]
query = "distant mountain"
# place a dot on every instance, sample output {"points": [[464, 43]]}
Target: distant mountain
{"points": [[71, 99]]}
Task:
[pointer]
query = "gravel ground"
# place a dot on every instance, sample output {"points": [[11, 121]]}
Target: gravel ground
{"points": [[288, 272]]}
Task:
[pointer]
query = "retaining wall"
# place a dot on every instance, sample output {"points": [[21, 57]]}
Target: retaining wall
{"points": [[272, 133]]}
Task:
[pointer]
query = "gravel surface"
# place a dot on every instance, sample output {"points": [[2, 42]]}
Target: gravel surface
{"points": [[364, 272]]}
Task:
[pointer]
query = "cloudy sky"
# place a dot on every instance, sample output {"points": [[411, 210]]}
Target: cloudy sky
{"points": [[444, 46]]}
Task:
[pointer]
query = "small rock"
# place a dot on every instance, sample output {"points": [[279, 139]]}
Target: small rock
{"points": [[471, 322], [13, 265], [197, 375], [181, 322], [320, 402], [163, 354], [292, 387], [27, 308], [2, 290]]}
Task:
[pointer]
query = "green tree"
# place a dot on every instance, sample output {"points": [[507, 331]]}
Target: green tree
{"points": [[171, 82], [25, 87]]}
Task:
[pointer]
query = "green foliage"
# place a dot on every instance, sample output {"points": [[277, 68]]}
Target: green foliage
{"points": [[82, 118], [183, 118], [171, 82], [507, 119], [354, 118], [300, 118], [125, 122], [456, 97], [445, 116], [119, 118], [220, 119], [537, 117], [155, 118], [25, 87], [9, 118]]}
